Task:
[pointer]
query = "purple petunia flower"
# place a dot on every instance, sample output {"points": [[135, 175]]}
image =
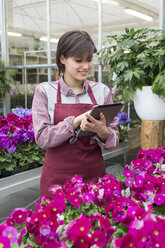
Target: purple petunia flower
{"points": [[22, 112], [11, 149], [123, 118]]}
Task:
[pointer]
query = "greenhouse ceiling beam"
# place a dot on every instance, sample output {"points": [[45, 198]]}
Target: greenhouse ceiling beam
{"points": [[48, 21], [141, 8], [100, 37], [162, 14], [4, 49]]}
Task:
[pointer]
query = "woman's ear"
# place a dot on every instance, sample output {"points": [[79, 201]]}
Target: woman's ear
{"points": [[62, 59]]}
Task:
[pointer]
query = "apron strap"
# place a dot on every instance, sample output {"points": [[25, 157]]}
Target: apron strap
{"points": [[58, 93], [91, 95]]}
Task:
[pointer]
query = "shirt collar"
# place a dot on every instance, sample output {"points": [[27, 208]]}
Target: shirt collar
{"points": [[67, 91]]}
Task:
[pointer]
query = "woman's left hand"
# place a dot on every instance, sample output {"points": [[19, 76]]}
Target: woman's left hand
{"points": [[89, 123]]}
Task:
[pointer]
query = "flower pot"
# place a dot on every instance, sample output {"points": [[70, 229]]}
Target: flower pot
{"points": [[148, 105]]}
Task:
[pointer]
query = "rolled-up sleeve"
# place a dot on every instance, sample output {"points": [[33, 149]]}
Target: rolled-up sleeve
{"points": [[113, 138], [46, 134]]}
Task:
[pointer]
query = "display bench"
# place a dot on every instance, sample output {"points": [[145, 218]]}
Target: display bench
{"points": [[23, 180]]}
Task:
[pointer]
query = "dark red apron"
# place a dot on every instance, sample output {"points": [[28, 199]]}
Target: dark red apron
{"points": [[64, 161]]}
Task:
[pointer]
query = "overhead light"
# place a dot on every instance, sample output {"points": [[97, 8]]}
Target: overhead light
{"points": [[14, 34], [139, 14], [53, 40], [112, 2]]}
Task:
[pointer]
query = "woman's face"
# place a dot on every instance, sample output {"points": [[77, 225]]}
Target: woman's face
{"points": [[77, 68]]}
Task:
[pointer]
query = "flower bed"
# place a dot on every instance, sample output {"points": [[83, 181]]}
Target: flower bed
{"points": [[17, 144], [18, 150], [115, 213]]}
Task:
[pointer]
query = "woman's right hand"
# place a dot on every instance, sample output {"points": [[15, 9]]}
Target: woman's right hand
{"points": [[77, 120]]}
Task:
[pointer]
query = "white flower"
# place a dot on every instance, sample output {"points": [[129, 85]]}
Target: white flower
{"points": [[162, 167], [101, 194], [125, 193]]}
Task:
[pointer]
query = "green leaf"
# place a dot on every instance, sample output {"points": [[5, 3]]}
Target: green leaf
{"points": [[122, 65]]}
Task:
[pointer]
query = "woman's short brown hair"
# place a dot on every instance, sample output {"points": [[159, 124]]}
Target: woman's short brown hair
{"points": [[74, 43]]}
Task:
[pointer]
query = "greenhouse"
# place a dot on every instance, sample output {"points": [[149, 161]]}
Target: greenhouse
{"points": [[82, 123]]}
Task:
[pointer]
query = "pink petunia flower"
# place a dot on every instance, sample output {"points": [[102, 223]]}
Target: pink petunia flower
{"points": [[54, 188], [11, 233], [45, 230]]}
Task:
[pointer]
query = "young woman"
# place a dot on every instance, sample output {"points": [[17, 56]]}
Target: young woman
{"points": [[59, 108]]}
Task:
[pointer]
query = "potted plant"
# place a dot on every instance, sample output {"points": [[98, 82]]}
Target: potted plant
{"points": [[6, 78], [137, 59]]}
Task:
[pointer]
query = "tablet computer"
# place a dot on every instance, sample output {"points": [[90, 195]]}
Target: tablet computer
{"points": [[109, 111]]}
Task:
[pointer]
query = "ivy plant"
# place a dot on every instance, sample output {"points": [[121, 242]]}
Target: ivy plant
{"points": [[136, 58]]}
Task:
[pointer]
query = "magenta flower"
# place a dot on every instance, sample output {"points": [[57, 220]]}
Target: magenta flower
{"points": [[20, 215], [44, 230], [131, 211], [147, 163], [159, 199], [118, 216], [129, 181], [150, 169], [81, 241], [139, 180], [20, 236], [11, 233], [149, 182], [81, 226], [128, 173], [141, 237], [54, 188], [104, 222], [128, 241], [87, 197], [98, 238], [4, 242], [2, 228], [52, 236], [76, 200], [57, 207]]}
